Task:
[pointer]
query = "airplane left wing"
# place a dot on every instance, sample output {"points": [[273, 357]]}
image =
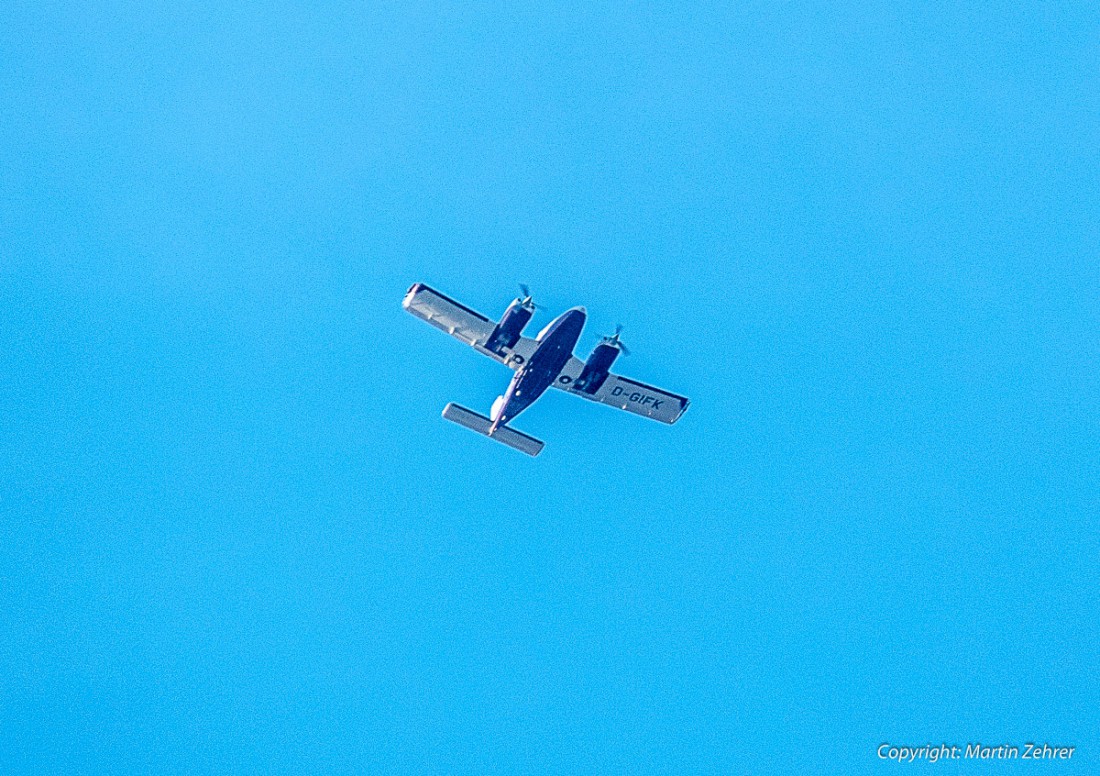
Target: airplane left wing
{"points": [[626, 394]]}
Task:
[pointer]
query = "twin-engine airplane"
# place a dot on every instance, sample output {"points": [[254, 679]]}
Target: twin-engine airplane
{"points": [[539, 363]]}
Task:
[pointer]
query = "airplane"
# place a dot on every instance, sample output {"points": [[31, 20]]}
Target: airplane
{"points": [[540, 363]]}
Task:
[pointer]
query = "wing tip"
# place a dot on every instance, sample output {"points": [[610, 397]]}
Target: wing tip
{"points": [[684, 402], [414, 289]]}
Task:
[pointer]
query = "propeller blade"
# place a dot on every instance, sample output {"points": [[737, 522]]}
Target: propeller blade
{"points": [[616, 342], [526, 300]]}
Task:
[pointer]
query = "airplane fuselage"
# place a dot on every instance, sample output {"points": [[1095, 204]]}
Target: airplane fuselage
{"points": [[555, 347]]}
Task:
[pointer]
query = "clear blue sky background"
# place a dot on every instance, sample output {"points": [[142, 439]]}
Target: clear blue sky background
{"points": [[236, 536]]}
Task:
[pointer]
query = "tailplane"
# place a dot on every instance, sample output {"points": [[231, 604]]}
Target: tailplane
{"points": [[517, 440]]}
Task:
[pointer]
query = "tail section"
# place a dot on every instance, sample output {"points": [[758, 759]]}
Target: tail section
{"points": [[517, 440]]}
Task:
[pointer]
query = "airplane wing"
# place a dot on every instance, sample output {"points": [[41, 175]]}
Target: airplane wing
{"points": [[462, 323], [626, 394], [444, 313]]}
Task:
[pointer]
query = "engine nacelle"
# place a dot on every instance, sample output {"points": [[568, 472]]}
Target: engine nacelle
{"points": [[508, 331], [596, 368]]}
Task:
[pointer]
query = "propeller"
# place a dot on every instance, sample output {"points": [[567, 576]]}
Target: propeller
{"points": [[614, 341], [526, 300]]}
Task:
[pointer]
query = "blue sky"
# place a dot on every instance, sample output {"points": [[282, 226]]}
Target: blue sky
{"points": [[236, 536]]}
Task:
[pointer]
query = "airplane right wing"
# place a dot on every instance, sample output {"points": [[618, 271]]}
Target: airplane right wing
{"points": [[465, 325], [453, 317]]}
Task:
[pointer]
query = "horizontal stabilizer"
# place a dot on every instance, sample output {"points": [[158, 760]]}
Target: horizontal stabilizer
{"points": [[517, 440]]}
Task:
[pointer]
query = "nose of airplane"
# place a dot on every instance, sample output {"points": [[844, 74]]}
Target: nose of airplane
{"points": [[581, 310]]}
